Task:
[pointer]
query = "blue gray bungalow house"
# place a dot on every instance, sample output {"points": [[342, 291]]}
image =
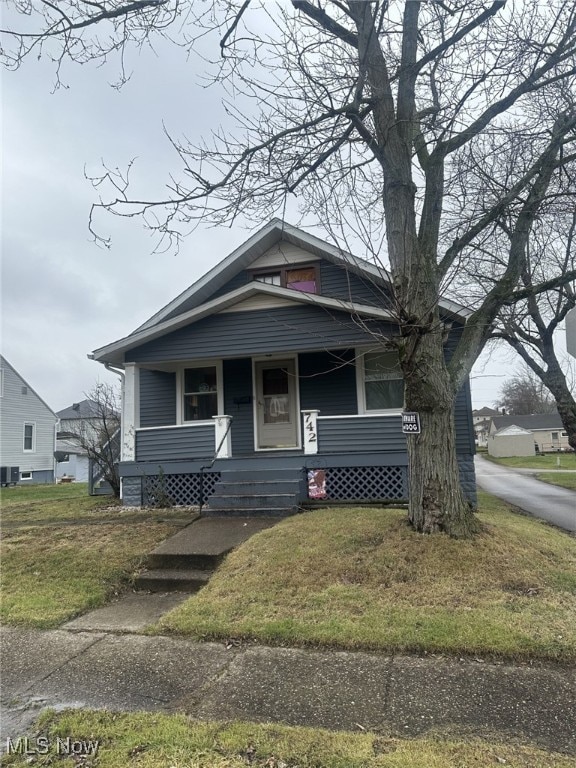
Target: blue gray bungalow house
{"points": [[265, 384]]}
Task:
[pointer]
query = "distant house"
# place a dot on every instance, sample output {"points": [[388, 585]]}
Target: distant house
{"points": [[546, 428], [83, 418], [28, 430], [81, 425], [72, 461], [481, 421], [266, 383]]}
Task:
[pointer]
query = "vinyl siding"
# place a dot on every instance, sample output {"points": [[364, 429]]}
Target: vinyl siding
{"points": [[238, 386], [271, 331], [463, 421], [340, 283], [157, 398], [363, 434], [159, 445], [336, 282], [16, 409], [328, 382]]}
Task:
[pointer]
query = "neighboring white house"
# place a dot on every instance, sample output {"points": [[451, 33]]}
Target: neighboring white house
{"points": [[481, 421], [81, 419], [546, 428], [72, 461], [83, 425], [27, 430]]}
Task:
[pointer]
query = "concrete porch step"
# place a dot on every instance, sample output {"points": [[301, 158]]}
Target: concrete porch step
{"points": [[261, 474], [196, 561], [172, 580], [187, 559], [252, 501], [256, 487], [255, 512]]}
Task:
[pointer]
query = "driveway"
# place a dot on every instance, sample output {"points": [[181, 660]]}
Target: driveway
{"points": [[556, 505]]}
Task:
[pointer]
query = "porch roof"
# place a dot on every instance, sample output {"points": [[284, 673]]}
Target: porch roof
{"points": [[114, 353]]}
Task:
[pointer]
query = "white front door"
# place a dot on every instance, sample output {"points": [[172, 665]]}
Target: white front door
{"points": [[276, 404]]}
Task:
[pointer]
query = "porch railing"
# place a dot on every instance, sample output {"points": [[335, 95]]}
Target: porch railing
{"points": [[198, 440]]}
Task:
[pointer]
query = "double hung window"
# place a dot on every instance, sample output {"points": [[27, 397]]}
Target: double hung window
{"points": [[29, 437], [200, 393], [383, 385]]}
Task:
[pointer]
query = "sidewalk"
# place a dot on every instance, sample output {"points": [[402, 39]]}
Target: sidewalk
{"points": [[397, 695]]}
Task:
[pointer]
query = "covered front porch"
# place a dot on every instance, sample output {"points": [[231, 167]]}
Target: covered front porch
{"points": [[203, 429]]}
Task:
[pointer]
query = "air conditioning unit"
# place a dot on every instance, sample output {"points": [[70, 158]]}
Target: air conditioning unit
{"points": [[9, 475]]}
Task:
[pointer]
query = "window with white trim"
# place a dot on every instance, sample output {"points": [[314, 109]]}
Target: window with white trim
{"points": [[29, 436], [25, 475], [200, 393], [382, 382]]}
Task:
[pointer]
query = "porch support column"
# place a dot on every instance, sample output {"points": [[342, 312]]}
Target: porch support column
{"points": [[223, 436], [130, 411], [310, 432]]}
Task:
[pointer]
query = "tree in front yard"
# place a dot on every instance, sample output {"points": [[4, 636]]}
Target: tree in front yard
{"points": [[387, 118]]}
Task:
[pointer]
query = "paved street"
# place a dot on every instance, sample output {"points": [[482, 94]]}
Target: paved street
{"points": [[549, 502]]}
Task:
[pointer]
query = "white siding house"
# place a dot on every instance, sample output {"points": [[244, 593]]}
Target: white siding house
{"points": [[27, 430]]}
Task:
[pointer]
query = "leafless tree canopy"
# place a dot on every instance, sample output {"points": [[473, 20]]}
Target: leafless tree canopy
{"points": [[439, 132], [524, 394], [99, 434]]}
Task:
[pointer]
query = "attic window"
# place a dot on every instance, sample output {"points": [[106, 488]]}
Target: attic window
{"points": [[272, 278], [301, 278]]}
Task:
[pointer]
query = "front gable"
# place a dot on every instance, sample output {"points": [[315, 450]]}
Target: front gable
{"points": [[254, 280], [334, 281]]}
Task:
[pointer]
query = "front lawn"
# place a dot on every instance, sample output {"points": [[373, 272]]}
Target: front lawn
{"points": [[51, 574], [361, 578], [153, 740], [70, 502], [547, 461]]}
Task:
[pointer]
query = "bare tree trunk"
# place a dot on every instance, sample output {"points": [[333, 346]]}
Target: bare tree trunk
{"points": [[555, 380], [437, 502], [552, 376]]}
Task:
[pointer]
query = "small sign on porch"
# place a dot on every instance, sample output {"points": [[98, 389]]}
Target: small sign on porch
{"points": [[316, 484], [411, 423]]}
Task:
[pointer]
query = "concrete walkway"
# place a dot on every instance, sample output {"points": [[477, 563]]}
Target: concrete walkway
{"points": [[548, 502], [394, 695]]}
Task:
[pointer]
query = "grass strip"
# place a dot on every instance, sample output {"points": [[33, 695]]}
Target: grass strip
{"points": [[360, 578], [564, 480], [176, 741], [566, 460]]}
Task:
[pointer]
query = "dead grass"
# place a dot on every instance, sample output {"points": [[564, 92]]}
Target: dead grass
{"points": [[51, 574], [361, 578], [153, 740]]}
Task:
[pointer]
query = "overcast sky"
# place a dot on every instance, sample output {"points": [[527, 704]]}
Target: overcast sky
{"points": [[62, 296]]}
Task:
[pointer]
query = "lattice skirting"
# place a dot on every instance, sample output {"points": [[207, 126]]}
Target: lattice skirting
{"points": [[366, 483], [181, 490]]}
